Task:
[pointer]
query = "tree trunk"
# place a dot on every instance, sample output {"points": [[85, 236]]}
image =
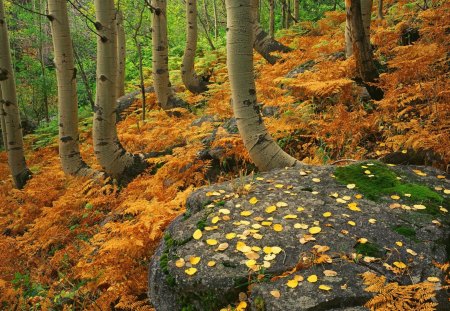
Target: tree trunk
{"points": [[191, 80], [114, 159], [69, 150], [121, 52], [263, 150], [16, 157], [2, 121], [272, 18], [380, 9], [264, 44], [164, 94], [366, 12], [216, 21], [361, 48], [297, 10]]}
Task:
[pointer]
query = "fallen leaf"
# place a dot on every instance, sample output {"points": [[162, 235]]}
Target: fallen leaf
{"points": [[440, 177], [250, 263], [351, 186], [411, 252], [292, 283], [399, 243], [316, 179], [271, 209], [353, 206], [277, 227], [230, 235], [433, 279], [276, 249], [190, 271], [224, 211], [315, 230], [246, 213], [275, 293], [351, 223], [194, 260], [326, 214], [279, 186], [211, 263], [329, 273], [298, 278], [362, 240], [312, 278], [395, 197], [222, 247], [372, 220], [180, 263], [211, 242], [419, 206], [399, 264], [281, 204], [324, 287], [290, 216], [197, 234], [253, 201]]}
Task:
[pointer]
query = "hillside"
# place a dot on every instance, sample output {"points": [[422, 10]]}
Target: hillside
{"points": [[72, 243]]}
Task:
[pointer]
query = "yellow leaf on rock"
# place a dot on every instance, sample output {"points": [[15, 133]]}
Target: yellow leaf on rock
{"points": [[395, 197], [281, 204], [353, 206], [246, 213], [215, 219], [222, 247], [279, 186], [419, 206], [443, 209], [316, 179], [298, 278], [271, 209], [276, 249], [329, 273], [312, 278], [253, 200], [211, 263], [197, 234], [275, 293], [433, 279], [180, 263], [250, 263], [247, 187], [277, 227], [211, 242], [300, 209], [440, 176], [230, 235], [326, 214], [351, 223], [411, 252], [362, 240], [399, 243], [194, 260], [267, 249], [351, 186], [315, 230], [224, 211], [372, 220], [292, 283], [190, 271], [399, 265], [290, 216], [324, 287]]}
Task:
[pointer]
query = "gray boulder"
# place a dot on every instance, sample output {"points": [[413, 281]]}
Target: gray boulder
{"points": [[259, 233]]}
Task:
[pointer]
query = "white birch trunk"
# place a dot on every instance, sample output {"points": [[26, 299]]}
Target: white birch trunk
{"points": [[263, 150]]}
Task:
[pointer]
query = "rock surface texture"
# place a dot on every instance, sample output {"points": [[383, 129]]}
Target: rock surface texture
{"points": [[300, 239]]}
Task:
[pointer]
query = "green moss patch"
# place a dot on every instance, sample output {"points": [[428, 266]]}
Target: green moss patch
{"points": [[369, 249], [406, 231], [376, 180]]}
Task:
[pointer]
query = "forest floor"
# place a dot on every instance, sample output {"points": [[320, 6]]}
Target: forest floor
{"points": [[70, 243]]}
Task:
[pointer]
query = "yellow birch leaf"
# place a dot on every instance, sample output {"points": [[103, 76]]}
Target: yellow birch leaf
{"points": [[275, 293], [292, 283], [250, 263], [211, 242], [399, 264], [351, 186], [351, 223], [194, 260], [326, 214], [211, 263], [246, 213], [180, 263], [271, 209], [230, 235], [277, 227]]}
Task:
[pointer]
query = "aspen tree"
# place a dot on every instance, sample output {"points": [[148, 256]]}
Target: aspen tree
{"points": [[262, 42], [2, 121], [263, 150], [191, 80], [114, 159], [361, 49], [69, 150], [380, 9], [163, 89], [297, 10], [366, 13], [16, 157], [122, 54]]}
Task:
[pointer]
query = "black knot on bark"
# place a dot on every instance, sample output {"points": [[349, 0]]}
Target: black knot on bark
{"points": [[104, 39], [103, 78], [98, 26]]}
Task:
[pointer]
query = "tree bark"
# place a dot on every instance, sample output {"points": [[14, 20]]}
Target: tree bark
{"points": [[380, 9], [16, 156], [361, 49], [263, 150], [2, 121], [272, 18], [122, 54], [164, 93], [114, 159], [216, 21], [69, 150], [262, 42], [191, 80], [366, 13], [297, 10]]}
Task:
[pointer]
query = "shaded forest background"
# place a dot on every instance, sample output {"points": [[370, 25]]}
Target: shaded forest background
{"points": [[76, 243]]}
